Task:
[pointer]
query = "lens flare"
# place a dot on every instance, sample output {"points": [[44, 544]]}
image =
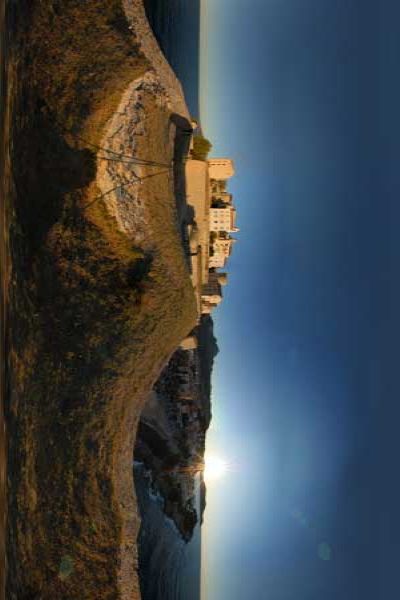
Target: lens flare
{"points": [[215, 468]]}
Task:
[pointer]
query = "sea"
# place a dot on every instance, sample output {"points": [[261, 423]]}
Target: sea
{"points": [[169, 568], [176, 25]]}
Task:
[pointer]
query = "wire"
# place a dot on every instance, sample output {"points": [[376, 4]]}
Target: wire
{"points": [[97, 147], [135, 180], [128, 156], [131, 159], [129, 162]]}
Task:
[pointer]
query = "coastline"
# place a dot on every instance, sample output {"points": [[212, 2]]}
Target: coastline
{"points": [[123, 133], [133, 214], [126, 132], [136, 15]]}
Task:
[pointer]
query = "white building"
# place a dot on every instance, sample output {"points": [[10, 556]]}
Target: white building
{"points": [[221, 250], [223, 219]]}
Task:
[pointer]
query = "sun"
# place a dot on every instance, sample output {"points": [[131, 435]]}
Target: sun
{"points": [[215, 468]]}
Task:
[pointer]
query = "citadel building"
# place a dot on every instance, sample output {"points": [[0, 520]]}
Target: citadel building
{"points": [[214, 220]]}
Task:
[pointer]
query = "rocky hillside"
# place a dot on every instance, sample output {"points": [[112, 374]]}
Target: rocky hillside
{"points": [[173, 425], [96, 308]]}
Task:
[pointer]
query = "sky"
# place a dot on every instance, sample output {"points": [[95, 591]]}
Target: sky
{"points": [[304, 96]]}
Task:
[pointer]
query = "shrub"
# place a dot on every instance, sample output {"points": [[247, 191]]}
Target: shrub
{"points": [[201, 148]]}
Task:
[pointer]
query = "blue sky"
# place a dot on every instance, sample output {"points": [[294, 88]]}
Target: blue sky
{"points": [[304, 96]]}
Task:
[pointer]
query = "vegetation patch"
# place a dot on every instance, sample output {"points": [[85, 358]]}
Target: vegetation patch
{"points": [[66, 567], [201, 148]]}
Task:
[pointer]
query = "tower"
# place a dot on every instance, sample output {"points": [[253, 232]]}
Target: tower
{"points": [[220, 168]]}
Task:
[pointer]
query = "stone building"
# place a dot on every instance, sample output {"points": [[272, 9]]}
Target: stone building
{"points": [[213, 213], [189, 343], [218, 186], [221, 250], [219, 199], [212, 291], [220, 168]]}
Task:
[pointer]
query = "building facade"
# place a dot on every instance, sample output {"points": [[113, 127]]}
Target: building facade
{"points": [[214, 218], [221, 251], [212, 291], [220, 168], [223, 219]]}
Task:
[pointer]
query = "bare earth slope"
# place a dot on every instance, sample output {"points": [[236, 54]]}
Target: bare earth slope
{"points": [[99, 295]]}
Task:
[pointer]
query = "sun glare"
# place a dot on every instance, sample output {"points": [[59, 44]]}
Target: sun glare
{"points": [[214, 468]]}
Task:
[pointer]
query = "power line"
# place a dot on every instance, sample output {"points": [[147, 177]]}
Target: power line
{"points": [[132, 157], [134, 180], [130, 162], [119, 156]]}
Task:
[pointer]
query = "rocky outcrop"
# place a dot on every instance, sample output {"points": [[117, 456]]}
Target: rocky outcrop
{"points": [[119, 177], [171, 449], [136, 15]]}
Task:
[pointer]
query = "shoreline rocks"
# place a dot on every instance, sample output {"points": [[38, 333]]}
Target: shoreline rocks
{"points": [[136, 16]]}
